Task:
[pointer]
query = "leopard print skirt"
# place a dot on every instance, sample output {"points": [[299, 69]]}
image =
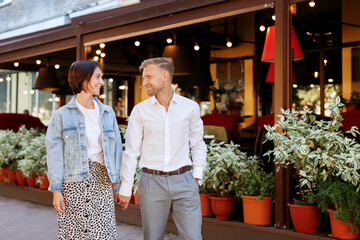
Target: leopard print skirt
{"points": [[89, 207]]}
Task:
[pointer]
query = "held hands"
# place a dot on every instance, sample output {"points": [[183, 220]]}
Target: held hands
{"points": [[58, 201], [122, 200]]}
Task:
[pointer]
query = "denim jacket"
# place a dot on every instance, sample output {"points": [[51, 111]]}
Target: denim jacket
{"points": [[67, 157]]}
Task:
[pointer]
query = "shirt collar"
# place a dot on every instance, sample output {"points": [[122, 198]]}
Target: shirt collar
{"points": [[175, 99]]}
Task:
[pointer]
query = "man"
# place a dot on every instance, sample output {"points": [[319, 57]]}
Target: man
{"points": [[161, 130]]}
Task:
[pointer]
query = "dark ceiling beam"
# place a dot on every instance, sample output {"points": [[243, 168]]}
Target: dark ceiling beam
{"points": [[206, 13], [38, 50]]}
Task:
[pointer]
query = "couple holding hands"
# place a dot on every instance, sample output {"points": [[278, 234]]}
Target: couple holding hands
{"points": [[85, 156]]}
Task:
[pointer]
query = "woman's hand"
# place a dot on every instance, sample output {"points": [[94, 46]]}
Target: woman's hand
{"points": [[58, 201]]}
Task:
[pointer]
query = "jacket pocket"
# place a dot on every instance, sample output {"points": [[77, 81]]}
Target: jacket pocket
{"points": [[70, 143]]}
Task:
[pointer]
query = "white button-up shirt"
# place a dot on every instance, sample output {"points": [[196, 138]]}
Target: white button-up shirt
{"points": [[163, 139]]}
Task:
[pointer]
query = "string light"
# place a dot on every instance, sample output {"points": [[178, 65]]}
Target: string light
{"points": [[102, 55], [325, 62], [102, 45], [96, 58], [196, 46], [312, 85], [137, 43], [8, 78], [169, 40], [32, 91], [57, 66], [330, 80], [98, 52], [295, 85], [16, 64], [273, 17], [316, 74], [38, 62], [312, 3], [122, 87], [1, 79], [228, 43], [262, 28]]}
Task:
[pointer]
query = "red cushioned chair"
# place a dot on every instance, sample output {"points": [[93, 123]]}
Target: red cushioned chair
{"points": [[223, 120], [13, 121]]}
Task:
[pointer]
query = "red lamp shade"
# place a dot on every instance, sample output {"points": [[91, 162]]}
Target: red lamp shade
{"points": [[269, 46], [271, 74]]}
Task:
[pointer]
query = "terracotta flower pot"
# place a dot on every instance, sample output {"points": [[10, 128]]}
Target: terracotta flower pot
{"points": [[205, 205], [12, 177], [20, 178], [44, 181], [306, 219], [222, 207], [136, 198], [340, 229], [31, 182], [257, 212], [3, 174]]}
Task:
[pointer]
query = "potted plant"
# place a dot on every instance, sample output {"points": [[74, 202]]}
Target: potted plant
{"points": [[353, 103], [256, 188], [315, 148], [226, 164], [217, 93], [341, 200], [33, 163]]}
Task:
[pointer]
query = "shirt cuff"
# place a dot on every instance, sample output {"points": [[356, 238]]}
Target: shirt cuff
{"points": [[125, 189], [197, 172]]}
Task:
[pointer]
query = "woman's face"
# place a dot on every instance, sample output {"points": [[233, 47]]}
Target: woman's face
{"points": [[94, 84]]}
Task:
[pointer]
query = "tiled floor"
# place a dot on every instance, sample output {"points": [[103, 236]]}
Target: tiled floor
{"points": [[21, 220]]}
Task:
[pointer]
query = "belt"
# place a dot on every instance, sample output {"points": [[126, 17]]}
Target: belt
{"points": [[175, 172]]}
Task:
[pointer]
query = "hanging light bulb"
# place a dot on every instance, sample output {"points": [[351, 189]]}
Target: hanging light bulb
{"points": [[57, 66], [325, 62], [262, 28], [330, 80], [16, 64], [137, 43], [169, 40], [312, 3], [312, 85], [1, 79], [96, 58], [316, 74], [295, 85], [98, 52], [8, 78], [228, 43], [102, 45], [102, 55], [273, 17], [196, 46], [38, 62]]}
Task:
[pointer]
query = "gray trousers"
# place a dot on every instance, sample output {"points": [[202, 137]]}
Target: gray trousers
{"points": [[178, 194]]}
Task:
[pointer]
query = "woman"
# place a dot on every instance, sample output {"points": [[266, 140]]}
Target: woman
{"points": [[84, 155]]}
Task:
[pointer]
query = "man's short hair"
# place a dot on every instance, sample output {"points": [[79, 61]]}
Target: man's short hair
{"points": [[162, 62]]}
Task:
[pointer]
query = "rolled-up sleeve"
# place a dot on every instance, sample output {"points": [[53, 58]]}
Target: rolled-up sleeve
{"points": [[197, 144], [55, 153]]}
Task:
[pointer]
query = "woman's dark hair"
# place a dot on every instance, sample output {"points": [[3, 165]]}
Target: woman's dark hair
{"points": [[80, 72]]}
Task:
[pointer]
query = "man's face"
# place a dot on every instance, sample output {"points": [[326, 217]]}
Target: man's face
{"points": [[153, 79]]}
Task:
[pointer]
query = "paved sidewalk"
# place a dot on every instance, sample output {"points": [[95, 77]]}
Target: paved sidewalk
{"points": [[20, 220]]}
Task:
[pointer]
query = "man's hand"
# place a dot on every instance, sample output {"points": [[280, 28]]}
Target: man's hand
{"points": [[123, 201], [58, 201]]}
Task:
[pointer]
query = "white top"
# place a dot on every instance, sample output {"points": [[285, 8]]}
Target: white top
{"points": [[163, 139], [93, 132]]}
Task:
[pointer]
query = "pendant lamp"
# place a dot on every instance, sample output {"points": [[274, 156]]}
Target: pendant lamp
{"points": [[268, 54], [180, 58], [47, 80], [271, 74]]}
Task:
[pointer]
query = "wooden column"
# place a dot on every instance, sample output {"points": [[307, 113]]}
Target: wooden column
{"points": [[322, 85], [80, 49], [282, 99]]}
